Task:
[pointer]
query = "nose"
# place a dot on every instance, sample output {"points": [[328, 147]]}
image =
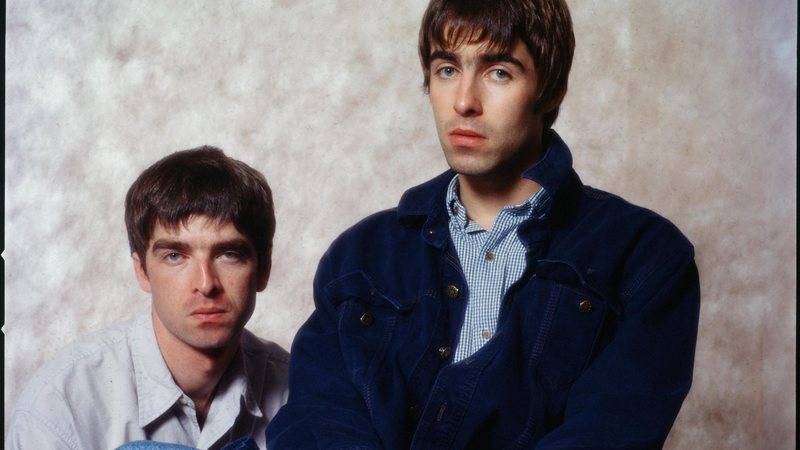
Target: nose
{"points": [[206, 279], [467, 102]]}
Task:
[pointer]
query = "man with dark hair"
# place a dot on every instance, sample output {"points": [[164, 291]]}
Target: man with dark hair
{"points": [[502, 304], [200, 227]]}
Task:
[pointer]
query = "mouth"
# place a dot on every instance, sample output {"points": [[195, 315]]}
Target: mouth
{"points": [[465, 138], [209, 314]]}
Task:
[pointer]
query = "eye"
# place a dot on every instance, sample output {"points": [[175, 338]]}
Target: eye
{"points": [[499, 75], [231, 255], [446, 72], [172, 257]]}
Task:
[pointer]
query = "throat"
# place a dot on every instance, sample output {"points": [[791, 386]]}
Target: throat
{"points": [[202, 408], [483, 199]]}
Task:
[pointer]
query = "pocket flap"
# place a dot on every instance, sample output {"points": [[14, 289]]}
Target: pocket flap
{"points": [[357, 284]]}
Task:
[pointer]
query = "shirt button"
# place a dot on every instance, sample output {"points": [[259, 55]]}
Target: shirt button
{"points": [[486, 333], [454, 208], [452, 291], [444, 352], [585, 307], [366, 319], [489, 256]]}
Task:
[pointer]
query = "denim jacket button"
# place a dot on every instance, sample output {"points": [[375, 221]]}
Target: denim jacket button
{"points": [[444, 352], [440, 414], [366, 319], [585, 307], [452, 291]]}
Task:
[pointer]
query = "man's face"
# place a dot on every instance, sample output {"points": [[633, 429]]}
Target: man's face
{"points": [[483, 103], [203, 278]]}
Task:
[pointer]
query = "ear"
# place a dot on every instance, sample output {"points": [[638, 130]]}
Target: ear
{"points": [[265, 267], [141, 273]]}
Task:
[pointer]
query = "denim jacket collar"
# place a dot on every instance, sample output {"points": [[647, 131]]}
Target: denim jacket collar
{"points": [[553, 172]]}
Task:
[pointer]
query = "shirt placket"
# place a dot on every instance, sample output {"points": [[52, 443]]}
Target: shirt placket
{"points": [[188, 417]]}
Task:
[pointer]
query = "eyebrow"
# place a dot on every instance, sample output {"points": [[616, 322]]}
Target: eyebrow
{"points": [[167, 244], [445, 55], [484, 58]]}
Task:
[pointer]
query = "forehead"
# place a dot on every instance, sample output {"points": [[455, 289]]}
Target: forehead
{"points": [[483, 47], [458, 33], [197, 227], [478, 47]]}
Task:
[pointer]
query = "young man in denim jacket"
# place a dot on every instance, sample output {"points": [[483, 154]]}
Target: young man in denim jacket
{"points": [[502, 304]]}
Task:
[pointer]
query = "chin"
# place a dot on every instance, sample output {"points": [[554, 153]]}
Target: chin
{"points": [[470, 170], [213, 343], [464, 165]]}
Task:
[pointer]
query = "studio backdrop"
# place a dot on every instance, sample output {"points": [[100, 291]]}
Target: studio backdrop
{"points": [[685, 107]]}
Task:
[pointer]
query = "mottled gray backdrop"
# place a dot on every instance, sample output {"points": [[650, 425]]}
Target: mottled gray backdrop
{"points": [[685, 107]]}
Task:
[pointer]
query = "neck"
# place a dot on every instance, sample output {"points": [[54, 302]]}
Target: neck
{"points": [[196, 372], [484, 195], [483, 198]]}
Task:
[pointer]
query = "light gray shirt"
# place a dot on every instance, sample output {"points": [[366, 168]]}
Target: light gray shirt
{"points": [[114, 387]]}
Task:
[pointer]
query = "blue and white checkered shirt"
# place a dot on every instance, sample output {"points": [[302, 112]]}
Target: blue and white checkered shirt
{"points": [[492, 261]]}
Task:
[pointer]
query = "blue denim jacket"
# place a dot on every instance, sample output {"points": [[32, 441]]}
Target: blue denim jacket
{"points": [[594, 346]]}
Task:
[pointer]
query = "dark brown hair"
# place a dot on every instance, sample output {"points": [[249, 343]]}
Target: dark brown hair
{"points": [[200, 181], [544, 26]]}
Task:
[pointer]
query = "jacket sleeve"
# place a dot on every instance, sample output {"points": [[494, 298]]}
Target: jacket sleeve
{"points": [[324, 409], [630, 394]]}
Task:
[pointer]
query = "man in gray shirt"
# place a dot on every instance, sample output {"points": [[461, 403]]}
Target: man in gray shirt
{"points": [[200, 227]]}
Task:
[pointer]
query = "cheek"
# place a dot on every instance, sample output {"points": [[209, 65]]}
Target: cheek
{"points": [[520, 118], [242, 283], [439, 103], [436, 113], [163, 285], [521, 112]]}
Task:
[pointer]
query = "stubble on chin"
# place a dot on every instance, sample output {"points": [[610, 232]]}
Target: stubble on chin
{"points": [[465, 164]]}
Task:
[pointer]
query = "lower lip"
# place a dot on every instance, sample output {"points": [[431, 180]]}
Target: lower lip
{"points": [[464, 140]]}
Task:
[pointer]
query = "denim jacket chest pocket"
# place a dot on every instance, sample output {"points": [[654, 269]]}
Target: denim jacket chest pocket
{"points": [[367, 319], [572, 317]]}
